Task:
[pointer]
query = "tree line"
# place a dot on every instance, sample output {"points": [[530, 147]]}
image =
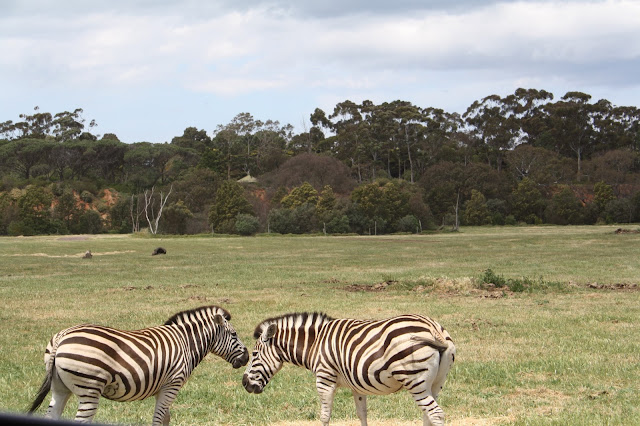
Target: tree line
{"points": [[362, 168]]}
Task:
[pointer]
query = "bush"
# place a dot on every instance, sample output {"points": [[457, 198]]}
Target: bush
{"points": [[86, 196], [293, 221], [338, 224], [517, 285], [621, 210], [90, 222], [230, 201], [247, 224], [300, 195], [564, 209], [476, 211], [527, 202], [19, 227], [175, 218], [408, 223]]}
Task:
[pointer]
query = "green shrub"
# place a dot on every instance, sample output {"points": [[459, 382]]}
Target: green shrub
{"points": [[517, 285], [86, 196], [247, 224], [409, 223], [89, 222], [338, 224], [293, 221]]}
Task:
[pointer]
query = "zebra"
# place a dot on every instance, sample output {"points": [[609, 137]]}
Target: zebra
{"points": [[92, 361], [376, 357]]}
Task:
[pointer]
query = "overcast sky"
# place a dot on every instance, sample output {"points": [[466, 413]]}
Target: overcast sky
{"points": [[147, 69]]}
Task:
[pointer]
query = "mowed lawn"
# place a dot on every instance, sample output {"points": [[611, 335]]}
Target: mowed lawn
{"points": [[567, 352]]}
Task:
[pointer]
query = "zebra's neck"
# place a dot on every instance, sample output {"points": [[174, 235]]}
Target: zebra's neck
{"points": [[296, 335], [198, 330]]}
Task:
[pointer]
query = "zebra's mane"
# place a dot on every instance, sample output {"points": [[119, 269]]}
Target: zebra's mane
{"points": [[316, 316], [174, 319]]}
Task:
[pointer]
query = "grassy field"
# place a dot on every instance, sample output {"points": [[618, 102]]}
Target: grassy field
{"points": [[567, 352]]}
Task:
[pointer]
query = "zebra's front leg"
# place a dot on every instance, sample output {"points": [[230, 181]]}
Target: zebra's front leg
{"points": [[164, 399], [361, 407], [326, 385]]}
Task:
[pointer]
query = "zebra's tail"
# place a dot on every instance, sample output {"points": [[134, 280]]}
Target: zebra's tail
{"points": [[447, 357], [44, 389], [49, 361]]}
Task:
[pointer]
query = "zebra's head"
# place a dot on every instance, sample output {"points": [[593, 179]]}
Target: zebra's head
{"points": [[266, 360], [228, 345]]}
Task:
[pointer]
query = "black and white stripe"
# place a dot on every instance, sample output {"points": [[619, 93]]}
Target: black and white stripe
{"points": [[376, 357], [91, 361]]}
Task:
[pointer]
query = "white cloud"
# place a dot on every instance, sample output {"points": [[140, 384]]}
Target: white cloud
{"points": [[352, 49]]}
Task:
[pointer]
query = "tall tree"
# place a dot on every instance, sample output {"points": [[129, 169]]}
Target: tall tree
{"points": [[493, 122], [22, 155], [193, 138], [349, 128], [230, 201], [69, 125], [571, 126]]}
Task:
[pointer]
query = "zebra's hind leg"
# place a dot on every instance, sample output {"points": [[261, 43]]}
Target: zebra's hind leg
{"points": [[361, 407], [419, 386], [60, 395], [88, 401], [432, 414]]}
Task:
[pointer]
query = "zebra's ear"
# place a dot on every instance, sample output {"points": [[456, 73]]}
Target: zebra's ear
{"points": [[271, 331], [218, 319]]}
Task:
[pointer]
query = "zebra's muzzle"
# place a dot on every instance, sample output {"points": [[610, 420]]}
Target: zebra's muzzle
{"points": [[242, 360], [251, 387]]}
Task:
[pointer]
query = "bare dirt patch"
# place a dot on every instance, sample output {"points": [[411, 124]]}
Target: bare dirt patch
{"points": [[107, 253], [467, 421], [371, 288], [74, 238], [614, 286], [131, 288], [626, 231]]}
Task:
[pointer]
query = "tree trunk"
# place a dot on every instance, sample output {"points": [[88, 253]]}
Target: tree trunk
{"points": [[406, 138]]}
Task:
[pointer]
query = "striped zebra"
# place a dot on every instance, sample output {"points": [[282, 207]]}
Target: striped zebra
{"points": [[92, 361], [369, 357]]}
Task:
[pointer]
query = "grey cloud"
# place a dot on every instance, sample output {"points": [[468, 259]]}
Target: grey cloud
{"points": [[198, 9]]}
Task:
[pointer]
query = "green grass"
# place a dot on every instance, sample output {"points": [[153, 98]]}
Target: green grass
{"points": [[556, 353]]}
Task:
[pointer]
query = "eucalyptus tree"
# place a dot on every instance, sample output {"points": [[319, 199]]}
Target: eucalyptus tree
{"points": [[246, 146], [348, 124], [225, 155], [70, 125], [409, 121], [22, 155], [147, 164], [271, 140], [439, 134], [527, 105], [35, 126], [493, 123], [383, 132], [194, 139], [107, 158], [571, 126], [616, 127]]}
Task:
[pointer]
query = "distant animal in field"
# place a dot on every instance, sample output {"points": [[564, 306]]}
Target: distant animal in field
{"points": [[369, 357], [159, 250], [87, 255], [91, 361]]}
